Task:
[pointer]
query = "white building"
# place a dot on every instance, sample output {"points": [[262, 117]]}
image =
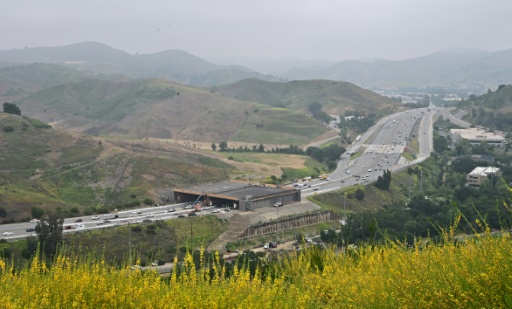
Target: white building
{"points": [[479, 174], [476, 136]]}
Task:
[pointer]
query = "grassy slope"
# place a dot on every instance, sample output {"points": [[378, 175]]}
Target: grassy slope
{"points": [[48, 168], [154, 108], [335, 97]]}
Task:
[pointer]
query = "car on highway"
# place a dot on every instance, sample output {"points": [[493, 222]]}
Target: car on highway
{"points": [[30, 229], [136, 212], [8, 233], [170, 210], [78, 220], [181, 216], [150, 215], [278, 204], [191, 214], [34, 220], [95, 218]]}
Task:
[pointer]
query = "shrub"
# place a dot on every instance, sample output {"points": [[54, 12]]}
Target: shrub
{"points": [[8, 129]]}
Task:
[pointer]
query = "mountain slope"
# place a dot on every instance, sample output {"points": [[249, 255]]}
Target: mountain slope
{"points": [[51, 169], [161, 109], [335, 97], [175, 65]]}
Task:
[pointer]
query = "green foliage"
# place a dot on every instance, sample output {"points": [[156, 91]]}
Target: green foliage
{"points": [[37, 212], [316, 110], [359, 194], [49, 233], [148, 201], [8, 129], [223, 145], [3, 212], [11, 108], [384, 182]]}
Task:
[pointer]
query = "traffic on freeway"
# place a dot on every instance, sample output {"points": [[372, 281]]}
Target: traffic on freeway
{"points": [[133, 216], [379, 149]]}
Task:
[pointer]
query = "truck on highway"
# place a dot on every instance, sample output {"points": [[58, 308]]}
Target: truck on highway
{"points": [[323, 176], [358, 138]]}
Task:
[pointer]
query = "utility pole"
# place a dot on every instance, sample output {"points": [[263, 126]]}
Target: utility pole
{"points": [[421, 181], [130, 242]]}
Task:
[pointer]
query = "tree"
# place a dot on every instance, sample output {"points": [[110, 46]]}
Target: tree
{"points": [[37, 212], [11, 108], [261, 148], [214, 147], [223, 145], [49, 233], [384, 182], [359, 194]]}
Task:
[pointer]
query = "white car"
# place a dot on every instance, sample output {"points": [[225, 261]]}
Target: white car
{"points": [[95, 218], [8, 233], [34, 220], [136, 212], [266, 246], [214, 211]]}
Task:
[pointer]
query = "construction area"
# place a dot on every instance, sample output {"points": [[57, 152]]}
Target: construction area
{"points": [[237, 195]]}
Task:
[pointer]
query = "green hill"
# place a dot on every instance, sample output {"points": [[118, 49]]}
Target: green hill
{"points": [[335, 97], [47, 168], [161, 109], [492, 110]]}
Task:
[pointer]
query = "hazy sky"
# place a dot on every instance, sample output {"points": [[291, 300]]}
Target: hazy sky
{"points": [[273, 29]]}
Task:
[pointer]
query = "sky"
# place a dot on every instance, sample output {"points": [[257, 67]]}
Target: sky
{"points": [[266, 29]]}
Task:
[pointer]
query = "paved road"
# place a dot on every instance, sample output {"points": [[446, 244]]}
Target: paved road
{"points": [[382, 147], [19, 230]]}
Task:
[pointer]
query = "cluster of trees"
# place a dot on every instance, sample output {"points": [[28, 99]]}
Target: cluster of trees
{"points": [[315, 109], [384, 182], [223, 146], [11, 108], [329, 154]]}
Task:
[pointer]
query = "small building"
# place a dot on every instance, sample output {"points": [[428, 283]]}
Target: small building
{"points": [[479, 174], [238, 195], [476, 136]]}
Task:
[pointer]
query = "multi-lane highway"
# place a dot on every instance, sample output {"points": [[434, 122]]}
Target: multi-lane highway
{"points": [[134, 216], [380, 148]]}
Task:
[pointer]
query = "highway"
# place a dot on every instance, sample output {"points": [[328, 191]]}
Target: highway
{"points": [[19, 230], [381, 148]]}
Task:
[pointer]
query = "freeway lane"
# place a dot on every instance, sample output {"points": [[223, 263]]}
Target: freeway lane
{"points": [[125, 217], [381, 148]]}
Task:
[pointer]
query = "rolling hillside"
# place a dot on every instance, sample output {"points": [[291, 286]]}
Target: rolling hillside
{"points": [[491, 110], [161, 109], [51, 169], [335, 97], [175, 65], [18, 81]]}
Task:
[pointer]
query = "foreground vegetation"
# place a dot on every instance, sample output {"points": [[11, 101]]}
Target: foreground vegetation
{"points": [[476, 273]]}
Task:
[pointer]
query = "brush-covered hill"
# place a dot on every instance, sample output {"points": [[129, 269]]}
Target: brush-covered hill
{"points": [[54, 170], [161, 109], [335, 97], [18, 81], [491, 110], [175, 65]]}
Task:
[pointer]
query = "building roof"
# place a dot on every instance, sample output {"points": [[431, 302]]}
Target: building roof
{"points": [[239, 190], [483, 171], [475, 134]]}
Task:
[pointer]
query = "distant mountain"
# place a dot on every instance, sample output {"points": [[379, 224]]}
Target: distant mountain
{"points": [[456, 68], [161, 109], [174, 65], [335, 97]]}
